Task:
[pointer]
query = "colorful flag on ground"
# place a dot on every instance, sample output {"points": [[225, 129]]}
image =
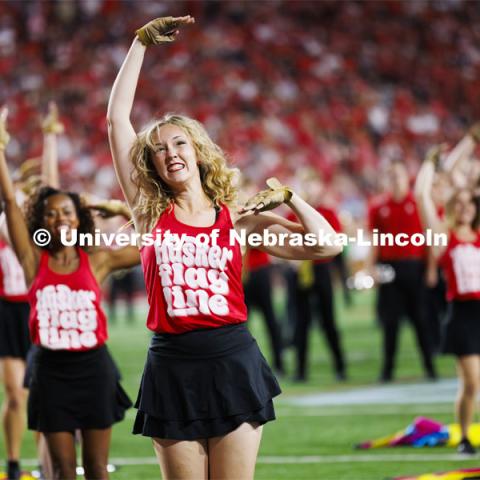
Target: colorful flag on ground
{"points": [[425, 432], [463, 474]]}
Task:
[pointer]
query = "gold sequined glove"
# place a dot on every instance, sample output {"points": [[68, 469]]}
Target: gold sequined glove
{"points": [[51, 123], [4, 135], [111, 208], [434, 154], [474, 132], [161, 30], [268, 199]]}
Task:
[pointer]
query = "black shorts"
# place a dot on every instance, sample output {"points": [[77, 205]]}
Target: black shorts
{"points": [[74, 390], [461, 334], [14, 333], [203, 384]]}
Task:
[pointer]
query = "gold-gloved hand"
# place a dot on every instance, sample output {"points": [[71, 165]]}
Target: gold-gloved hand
{"points": [[163, 29], [111, 208], [268, 199], [474, 132], [434, 154], [51, 123], [4, 135]]}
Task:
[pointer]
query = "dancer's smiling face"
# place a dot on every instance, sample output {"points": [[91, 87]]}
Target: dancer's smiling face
{"points": [[60, 214], [174, 156]]}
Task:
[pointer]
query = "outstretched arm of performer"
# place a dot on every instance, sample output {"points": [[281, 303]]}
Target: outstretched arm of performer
{"points": [[106, 260], [461, 153], [51, 127], [255, 220], [121, 133], [423, 195], [28, 255]]}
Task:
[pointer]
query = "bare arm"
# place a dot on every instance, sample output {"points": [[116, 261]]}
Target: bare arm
{"points": [[105, 261], [462, 152], [428, 211], [51, 127], [295, 245], [121, 133], [27, 254]]}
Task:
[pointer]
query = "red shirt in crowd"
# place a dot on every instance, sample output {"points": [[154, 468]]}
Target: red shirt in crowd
{"points": [[389, 216], [65, 309], [461, 265], [256, 259], [13, 288], [195, 282]]}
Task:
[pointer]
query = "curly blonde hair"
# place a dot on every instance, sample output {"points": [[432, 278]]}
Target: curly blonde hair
{"points": [[154, 195]]}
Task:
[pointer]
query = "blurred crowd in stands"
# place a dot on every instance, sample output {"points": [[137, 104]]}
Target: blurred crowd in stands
{"points": [[343, 87]]}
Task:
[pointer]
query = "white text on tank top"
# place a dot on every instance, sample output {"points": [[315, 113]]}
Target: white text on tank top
{"points": [[13, 277], [466, 265], [67, 319], [193, 276]]}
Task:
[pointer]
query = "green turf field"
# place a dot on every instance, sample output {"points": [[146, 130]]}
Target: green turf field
{"points": [[306, 442]]}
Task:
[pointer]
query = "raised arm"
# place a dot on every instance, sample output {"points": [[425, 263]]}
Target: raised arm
{"points": [[51, 127], [121, 133], [295, 247], [423, 195], [27, 254], [461, 153]]}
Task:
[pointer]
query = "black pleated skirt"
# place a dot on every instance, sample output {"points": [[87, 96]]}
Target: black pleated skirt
{"points": [[74, 390], [204, 384], [14, 333], [461, 335]]}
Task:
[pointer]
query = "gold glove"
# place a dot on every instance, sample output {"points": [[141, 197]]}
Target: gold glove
{"points": [[434, 154], [29, 167], [163, 29], [111, 208], [474, 132], [51, 123], [4, 135], [268, 199], [31, 184]]}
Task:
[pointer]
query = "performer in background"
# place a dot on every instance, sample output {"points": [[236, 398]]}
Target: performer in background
{"points": [[460, 261], [258, 294], [74, 384], [314, 292], [14, 308], [397, 213]]}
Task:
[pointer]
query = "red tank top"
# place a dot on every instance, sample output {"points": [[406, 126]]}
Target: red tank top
{"points": [[461, 265], [65, 309], [196, 284], [14, 288]]}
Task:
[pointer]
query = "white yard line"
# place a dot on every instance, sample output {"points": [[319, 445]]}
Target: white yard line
{"points": [[443, 391], [291, 459]]}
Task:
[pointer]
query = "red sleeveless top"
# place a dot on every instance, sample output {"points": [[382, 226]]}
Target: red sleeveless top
{"points": [[196, 282], [65, 309], [461, 265], [14, 288]]}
